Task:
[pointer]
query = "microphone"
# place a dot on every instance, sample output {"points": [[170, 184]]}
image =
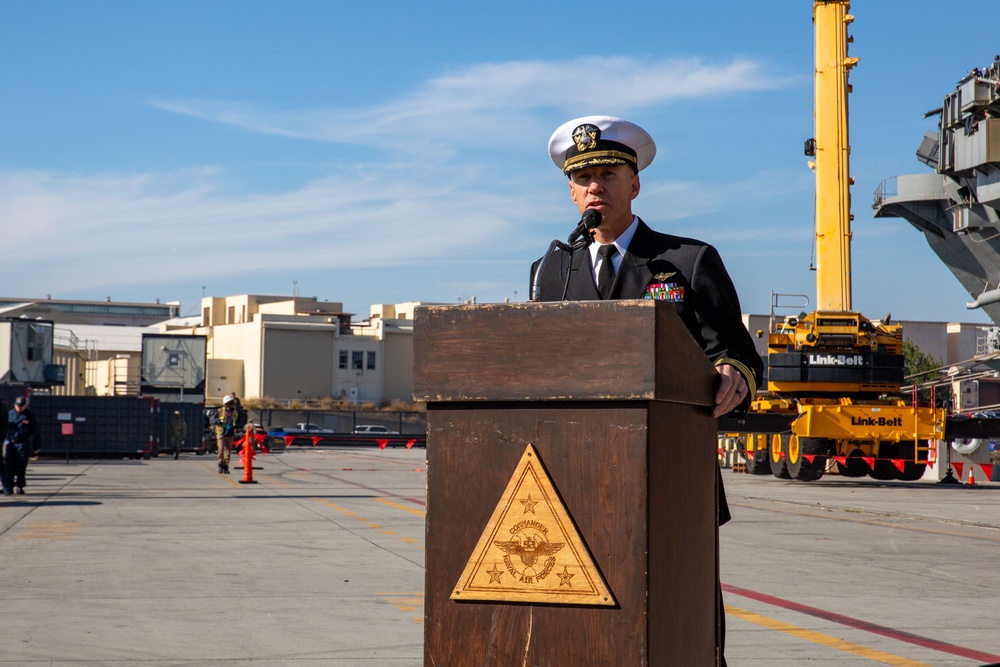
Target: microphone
{"points": [[591, 220], [580, 238]]}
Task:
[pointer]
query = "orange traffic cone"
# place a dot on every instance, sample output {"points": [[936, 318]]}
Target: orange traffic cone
{"points": [[248, 454], [972, 476]]}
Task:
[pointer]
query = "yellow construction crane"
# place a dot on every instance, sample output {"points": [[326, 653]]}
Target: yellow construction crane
{"points": [[832, 152], [834, 376]]}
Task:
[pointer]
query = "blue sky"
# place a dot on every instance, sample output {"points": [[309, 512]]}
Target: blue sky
{"points": [[382, 152]]}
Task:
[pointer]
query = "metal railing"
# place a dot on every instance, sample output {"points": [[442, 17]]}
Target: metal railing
{"points": [[889, 187]]}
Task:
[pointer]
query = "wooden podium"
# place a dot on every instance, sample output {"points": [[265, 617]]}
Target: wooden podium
{"points": [[571, 485]]}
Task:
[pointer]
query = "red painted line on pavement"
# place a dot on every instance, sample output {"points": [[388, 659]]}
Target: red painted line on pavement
{"points": [[891, 633]]}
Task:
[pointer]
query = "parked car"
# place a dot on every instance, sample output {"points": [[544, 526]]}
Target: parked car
{"points": [[373, 429], [280, 437], [312, 429]]}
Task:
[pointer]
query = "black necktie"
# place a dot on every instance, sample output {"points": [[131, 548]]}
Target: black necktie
{"points": [[606, 274]]}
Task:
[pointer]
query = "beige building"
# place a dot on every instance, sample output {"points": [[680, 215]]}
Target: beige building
{"points": [[279, 347], [295, 348]]}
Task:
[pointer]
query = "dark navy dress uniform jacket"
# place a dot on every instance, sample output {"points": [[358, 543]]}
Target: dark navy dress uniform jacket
{"points": [[709, 308]]}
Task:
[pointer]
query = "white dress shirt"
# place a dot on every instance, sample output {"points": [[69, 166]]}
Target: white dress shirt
{"points": [[621, 243]]}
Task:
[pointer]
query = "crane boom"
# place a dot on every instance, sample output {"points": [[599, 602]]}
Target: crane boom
{"points": [[832, 146]]}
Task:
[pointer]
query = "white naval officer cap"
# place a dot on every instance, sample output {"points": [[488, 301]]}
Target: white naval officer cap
{"points": [[600, 140]]}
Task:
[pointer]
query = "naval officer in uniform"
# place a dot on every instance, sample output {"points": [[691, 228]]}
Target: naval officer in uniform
{"points": [[602, 157]]}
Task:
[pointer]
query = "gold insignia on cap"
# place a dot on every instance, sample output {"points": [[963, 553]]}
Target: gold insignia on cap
{"points": [[586, 137]]}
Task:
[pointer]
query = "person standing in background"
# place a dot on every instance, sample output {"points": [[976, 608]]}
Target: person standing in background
{"points": [[3, 443], [225, 421], [21, 442], [178, 431]]}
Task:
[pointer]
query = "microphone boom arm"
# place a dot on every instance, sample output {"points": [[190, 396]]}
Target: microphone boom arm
{"points": [[581, 237]]}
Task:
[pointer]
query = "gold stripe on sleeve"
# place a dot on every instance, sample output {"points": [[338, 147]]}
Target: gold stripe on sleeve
{"points": [[744, 371]]}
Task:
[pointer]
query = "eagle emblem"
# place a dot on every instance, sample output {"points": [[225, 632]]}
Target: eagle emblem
{"points": [[529, 545], [586, 137], [530, 550]]}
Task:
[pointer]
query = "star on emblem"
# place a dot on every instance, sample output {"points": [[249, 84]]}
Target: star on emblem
{"points": [[564, 577], [529, 505], [494, 574]]}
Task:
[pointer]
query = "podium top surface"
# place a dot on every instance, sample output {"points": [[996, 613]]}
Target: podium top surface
{"points": [[570, 351]]}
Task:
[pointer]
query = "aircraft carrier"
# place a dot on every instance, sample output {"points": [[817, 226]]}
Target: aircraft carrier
{"points": [[957, 206]]}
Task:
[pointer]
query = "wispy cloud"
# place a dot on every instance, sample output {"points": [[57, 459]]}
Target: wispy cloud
{"points": [[478, 104], [430, 200], [138, 223]]}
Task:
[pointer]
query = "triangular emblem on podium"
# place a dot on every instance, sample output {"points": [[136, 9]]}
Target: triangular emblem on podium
{"points": [[530, 550]]}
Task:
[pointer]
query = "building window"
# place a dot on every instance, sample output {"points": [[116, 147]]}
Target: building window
{"points": [[371, 361], [357, 360], [343, 359]]}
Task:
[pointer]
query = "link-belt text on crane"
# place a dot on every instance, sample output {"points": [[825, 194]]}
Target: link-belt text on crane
{"points": [[836, 360], [896, 422]]}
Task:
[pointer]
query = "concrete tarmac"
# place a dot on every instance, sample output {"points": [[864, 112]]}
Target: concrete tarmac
{"points": [[857, 572], [321, 562], [167, 563]]}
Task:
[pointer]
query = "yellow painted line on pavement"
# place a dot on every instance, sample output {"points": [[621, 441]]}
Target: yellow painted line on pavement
{"points": [[412, 510], [400, 506], [229, 480], [49, 530], [274, 480], [406, 602], [335, 506], [824, 640], [214, 468], [371, 524]]}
